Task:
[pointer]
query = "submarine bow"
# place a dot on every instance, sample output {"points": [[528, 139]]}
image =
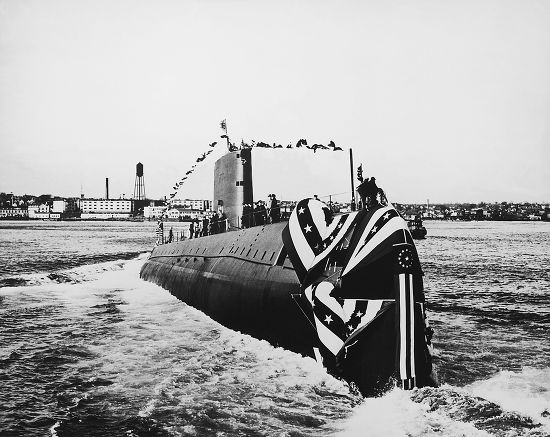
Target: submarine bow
{"points": [[361, 280]]}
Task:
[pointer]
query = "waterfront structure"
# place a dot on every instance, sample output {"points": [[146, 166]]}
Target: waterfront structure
{"points": [[36, 212], [174, 213], [151, 212], [199, 205], [59, 206], [66, 207], [41, 212], [179, 213], [122, 206], [14, 213], [106, 208]]}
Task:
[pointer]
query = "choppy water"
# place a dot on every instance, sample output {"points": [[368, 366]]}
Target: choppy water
{"points": [[87, 348]]}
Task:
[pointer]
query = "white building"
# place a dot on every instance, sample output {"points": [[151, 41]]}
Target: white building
{"points": [[179, 212], [13, 212], [59, 206], [105, 206], [105, 209], [33, 210], [43, 212], [44, 208], [199, 205], [40, 211], [151, 212], [104, 215]]}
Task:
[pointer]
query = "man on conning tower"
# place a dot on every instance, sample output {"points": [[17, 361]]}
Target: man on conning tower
{"points": [[371, 195]]}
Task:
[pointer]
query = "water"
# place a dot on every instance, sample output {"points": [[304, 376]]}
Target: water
{"points": [[87, 348]]}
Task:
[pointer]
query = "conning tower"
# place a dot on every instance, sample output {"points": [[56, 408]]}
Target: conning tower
{"points": [[233, 185]]}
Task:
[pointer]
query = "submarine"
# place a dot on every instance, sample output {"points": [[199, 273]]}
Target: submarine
{"points": [[344, 289]]}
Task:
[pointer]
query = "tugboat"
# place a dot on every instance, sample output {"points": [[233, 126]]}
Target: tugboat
{"points": [[344, 289], [417, 229]]}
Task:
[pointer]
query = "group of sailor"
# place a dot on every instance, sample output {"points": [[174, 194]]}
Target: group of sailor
{"points": [[216, 224], [254, 214], [258, 214]]}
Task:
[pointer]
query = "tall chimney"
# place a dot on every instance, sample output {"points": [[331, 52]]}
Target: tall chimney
{"points": [[107, 188]]}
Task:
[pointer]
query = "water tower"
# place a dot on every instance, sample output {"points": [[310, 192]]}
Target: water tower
{"points": [[139, 187]]}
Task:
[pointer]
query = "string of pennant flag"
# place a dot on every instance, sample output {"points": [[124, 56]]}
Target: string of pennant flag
{"points": [[301, 143]]}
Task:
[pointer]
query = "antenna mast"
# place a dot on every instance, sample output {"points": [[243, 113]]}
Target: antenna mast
{"points": [[351, 173]]}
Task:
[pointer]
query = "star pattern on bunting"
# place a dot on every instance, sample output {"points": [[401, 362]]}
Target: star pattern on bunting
{"points": [[405, 258], [330, 238], [356, 316], [378, 225]]}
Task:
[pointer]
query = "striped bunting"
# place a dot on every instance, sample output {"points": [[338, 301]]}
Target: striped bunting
{"points": [[405, 344], [336, 322], [405, 316], [383, 223], [160, 234], [308, 238]]}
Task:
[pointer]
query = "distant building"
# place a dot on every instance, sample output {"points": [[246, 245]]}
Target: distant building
{"points": [[151, 212], [105, 208], [105, 215], [40, 212], [174, 213], [121, 206], [13, 213], [200, 205], [178, 213], [59, 206], [44, 208]]}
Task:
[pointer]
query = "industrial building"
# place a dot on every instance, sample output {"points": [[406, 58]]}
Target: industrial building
{"points": [[106, 208]]}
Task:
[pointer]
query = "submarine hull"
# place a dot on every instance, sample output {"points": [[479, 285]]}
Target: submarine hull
{"points": [[240, 280]]}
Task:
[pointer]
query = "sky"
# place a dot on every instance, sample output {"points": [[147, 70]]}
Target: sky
{"points": [[441, 100]]}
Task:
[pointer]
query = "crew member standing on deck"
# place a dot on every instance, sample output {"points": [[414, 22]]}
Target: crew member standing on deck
{"points": [[223, 222], [214, 224], [274, 210], [247, 216], [371, 195], [197, 223]]}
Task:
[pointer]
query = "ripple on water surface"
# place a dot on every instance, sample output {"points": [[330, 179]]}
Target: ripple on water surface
{"points": [[90, 349]]}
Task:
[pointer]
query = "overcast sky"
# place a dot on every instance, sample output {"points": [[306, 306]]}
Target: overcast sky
{"points": [[440, 100]]}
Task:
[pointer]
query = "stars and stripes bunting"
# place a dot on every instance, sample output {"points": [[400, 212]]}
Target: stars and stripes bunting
{"points": [[308, 238], [382, 224], [337, 322], [352, 241]]}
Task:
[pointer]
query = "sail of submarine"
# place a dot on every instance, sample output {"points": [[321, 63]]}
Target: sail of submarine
{"points": [[345, 289]]}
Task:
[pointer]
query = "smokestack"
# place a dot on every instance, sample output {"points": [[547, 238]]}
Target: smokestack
{"points": [[107, 188]]}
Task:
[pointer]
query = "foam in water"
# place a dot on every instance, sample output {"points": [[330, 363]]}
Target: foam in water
{"points": [[170, 363], [86, 272], [173, 360], [396, 415], [526, 392]]}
